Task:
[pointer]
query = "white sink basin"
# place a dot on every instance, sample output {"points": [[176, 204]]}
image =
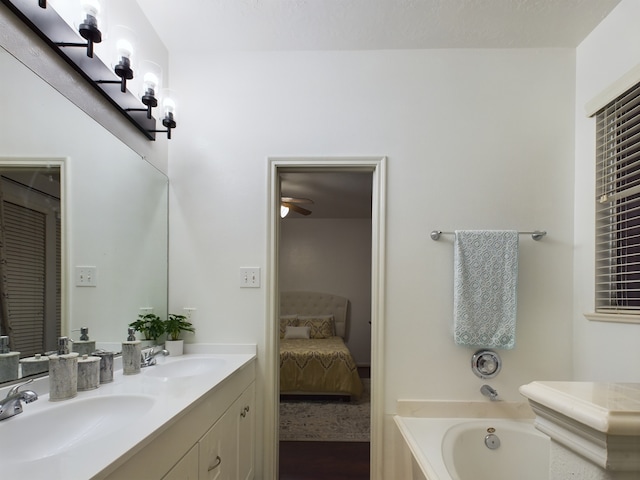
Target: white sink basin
{"points": [[30, 436], [184, 367]]}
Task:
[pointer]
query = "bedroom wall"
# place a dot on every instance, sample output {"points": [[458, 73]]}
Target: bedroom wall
{"points": [[474, 139], [332, 255], [605, 55]]}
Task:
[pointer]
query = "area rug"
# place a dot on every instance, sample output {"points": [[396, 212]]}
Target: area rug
{"points": [[326, 420]]}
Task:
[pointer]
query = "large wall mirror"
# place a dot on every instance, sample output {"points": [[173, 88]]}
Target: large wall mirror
{"points": [[110, 211]]}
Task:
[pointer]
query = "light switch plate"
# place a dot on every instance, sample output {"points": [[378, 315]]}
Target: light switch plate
{"points": [[86, 276], [249, 277]]}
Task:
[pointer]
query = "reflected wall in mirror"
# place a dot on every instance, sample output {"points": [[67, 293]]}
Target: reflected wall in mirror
{"points": [[115, 207]]}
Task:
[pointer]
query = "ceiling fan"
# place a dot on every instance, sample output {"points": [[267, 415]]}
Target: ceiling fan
{"points": [[293, 203]]}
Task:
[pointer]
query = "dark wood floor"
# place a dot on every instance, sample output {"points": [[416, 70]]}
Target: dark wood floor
{"points": [[324, 461]]}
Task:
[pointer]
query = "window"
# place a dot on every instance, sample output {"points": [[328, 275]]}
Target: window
{"points": [[618, 205]]}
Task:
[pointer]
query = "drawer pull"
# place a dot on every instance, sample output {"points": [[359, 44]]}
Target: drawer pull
{"points": [[218, 462]]}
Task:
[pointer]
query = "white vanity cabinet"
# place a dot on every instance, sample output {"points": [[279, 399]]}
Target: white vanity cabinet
{"points": [[213, 439], [246, 433], [219, 450], [227, 449], [185, 469]]}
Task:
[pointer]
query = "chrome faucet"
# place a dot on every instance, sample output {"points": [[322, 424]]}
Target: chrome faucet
{"points": [[11, 405], [490, 392], [149, 356]]}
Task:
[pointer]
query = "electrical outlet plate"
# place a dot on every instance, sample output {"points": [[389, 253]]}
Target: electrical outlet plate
{"points": [[249, 277], [86, 277]]}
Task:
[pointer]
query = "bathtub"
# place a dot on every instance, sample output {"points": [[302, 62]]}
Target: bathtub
{"points": [[458, 448]]}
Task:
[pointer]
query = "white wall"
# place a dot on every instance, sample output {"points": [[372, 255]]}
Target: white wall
{"points": [[603, 351], [332, 255], [474, 139]]}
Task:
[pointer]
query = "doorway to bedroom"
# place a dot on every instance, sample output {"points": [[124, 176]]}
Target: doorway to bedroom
{"points": [[327, 243]]}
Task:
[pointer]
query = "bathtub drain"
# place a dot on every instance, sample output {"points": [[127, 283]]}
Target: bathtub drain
{"points": [[492, 441]]}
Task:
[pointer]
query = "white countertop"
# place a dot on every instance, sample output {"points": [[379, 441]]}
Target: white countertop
{"points": [[612, 408], [97, 452]]}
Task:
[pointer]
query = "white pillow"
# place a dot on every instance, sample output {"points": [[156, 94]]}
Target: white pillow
{"points": [[297, 332]]}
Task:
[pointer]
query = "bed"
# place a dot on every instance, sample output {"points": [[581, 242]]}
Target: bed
{"points": [[314, 359]]}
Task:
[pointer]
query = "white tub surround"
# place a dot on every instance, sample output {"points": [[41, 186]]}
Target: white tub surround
{"points": [[184, 423], [594, 427], [435, 445], [423, 424], [463, 409]]}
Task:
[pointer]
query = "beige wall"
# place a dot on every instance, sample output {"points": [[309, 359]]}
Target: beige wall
{"points": [[334, 256]]}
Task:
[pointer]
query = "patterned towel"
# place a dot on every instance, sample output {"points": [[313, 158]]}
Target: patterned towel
{"points": [[485, 288]]}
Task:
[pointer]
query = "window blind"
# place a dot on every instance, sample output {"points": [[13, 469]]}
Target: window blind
{"points": [[618, 205]]}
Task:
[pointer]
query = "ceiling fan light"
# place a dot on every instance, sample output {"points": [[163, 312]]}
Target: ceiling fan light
{"points": [[284, 210]]}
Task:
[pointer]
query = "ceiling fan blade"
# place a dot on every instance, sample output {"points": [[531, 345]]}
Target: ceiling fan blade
{"points": [[296, 208], [295, 200]]}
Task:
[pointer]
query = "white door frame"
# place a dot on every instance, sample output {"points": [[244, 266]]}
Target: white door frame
{"points": [[376, 165]]}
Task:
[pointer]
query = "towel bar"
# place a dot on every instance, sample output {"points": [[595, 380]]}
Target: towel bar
{"points": [[536, 234]]}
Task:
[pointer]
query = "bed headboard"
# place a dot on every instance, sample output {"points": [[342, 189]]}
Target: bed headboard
{"points": [[316, 303]]}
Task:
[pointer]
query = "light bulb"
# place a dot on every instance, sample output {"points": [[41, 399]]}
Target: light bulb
{"points": [[150, 83], [91, 7], [168, 106], [284, 211], [124, 48]]}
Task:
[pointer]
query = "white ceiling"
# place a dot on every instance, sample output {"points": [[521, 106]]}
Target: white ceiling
{"points": [[372, 24]]}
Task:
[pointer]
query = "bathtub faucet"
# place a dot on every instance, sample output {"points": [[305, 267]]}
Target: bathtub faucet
{"points": [[490, 392]]}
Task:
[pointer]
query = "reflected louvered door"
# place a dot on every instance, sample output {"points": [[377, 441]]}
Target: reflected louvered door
{"points": [[25, 238]]}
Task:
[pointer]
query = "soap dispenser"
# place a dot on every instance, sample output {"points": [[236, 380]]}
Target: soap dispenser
{"points": [[131, 354], [9, 361], [84, 346], [63, 372]]}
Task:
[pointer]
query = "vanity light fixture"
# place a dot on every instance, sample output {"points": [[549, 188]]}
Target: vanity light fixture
{"points": [[150, 84], [122, 66], [88, 29], [168, 107], [58, 34], [284, 211], [152, 75]]}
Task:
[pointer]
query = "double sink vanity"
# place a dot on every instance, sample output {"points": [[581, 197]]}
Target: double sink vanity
{"points": [[187, 417]]}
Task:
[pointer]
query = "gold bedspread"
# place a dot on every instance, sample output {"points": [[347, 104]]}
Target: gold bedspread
{"points": [[318, 366]]}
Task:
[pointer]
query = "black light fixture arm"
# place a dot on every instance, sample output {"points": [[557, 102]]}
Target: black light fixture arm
{"points": [[148, 110], [124, 71], [88, 46], [122, 82], [168, 122]]}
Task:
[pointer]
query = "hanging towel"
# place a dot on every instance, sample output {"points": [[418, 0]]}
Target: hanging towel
{"points": [[485, 288]]}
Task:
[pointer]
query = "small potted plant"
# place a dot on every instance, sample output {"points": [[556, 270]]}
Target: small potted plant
{"points": [[174, 326], [150, 326]]}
